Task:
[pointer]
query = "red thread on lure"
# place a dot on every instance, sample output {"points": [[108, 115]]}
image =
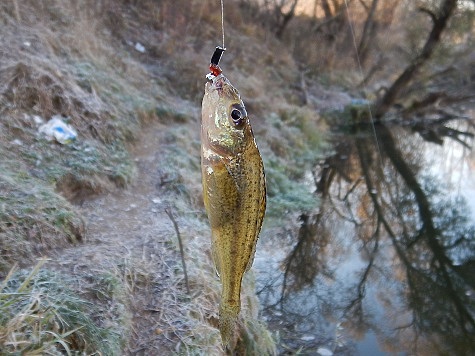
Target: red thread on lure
{"points": [[215, 69]]}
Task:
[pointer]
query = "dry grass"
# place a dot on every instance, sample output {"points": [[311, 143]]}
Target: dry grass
{"points": [[40, 314], [33, 218]]}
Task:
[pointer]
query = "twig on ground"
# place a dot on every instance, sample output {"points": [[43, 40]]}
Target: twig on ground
{"points": [[180, 243]]}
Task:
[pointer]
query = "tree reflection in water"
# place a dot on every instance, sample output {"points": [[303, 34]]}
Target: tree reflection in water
{"points": [[403, 265]]}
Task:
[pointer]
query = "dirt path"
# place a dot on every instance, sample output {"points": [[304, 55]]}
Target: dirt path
{"points": [[130, 235]]}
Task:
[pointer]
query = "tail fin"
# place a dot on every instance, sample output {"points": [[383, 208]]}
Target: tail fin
{"points": [[228, 315]]}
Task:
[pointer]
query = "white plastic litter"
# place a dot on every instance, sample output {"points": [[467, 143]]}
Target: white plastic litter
{"points": [[57, 129], [139, 47]]}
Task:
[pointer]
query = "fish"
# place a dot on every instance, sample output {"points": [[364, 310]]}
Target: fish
{"points": [[234, 192]]}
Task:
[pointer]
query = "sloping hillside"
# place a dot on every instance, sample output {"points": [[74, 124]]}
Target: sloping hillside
{"points": [[128, 77]]}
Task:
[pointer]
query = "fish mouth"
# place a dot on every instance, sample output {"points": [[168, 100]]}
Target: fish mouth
{"points": [[223, 87], [217, 83]]}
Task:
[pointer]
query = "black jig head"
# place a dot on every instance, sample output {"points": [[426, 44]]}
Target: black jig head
{"points": [[214, 64]]}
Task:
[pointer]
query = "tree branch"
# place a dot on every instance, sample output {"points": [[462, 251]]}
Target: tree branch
{"points": [[440, 22], [428, 12]]}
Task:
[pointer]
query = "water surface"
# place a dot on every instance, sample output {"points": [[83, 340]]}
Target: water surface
{"points": [[386, 265]]}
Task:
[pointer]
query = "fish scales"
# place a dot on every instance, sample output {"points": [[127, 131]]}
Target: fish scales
{"points": [[234, 192]]}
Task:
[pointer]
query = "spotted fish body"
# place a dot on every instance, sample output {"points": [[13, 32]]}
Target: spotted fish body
{"points": [[234, 192]]}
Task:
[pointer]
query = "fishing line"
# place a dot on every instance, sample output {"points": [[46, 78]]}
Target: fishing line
{"points": [[222, 20], [218, 52], [360, 67]]}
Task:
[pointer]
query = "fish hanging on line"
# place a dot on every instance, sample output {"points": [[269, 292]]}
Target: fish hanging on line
{"points": [[234, 189]]}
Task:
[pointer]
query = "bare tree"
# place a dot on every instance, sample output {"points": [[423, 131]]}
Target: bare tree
{"points": [[327, 10], [439, 22], [368, 32], [282, 17]]}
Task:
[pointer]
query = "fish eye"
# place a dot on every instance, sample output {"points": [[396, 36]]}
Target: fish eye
{"points": [[238, 115]]}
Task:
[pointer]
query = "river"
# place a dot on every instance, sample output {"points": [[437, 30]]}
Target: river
{"points": [[386, 265]]}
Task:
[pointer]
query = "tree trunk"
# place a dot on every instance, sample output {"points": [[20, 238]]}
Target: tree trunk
{"points": [[368, 33], [285, 19], [327, 10], [439, 24]]}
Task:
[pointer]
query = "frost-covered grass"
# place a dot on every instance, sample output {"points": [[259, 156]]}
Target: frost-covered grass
{"points": [[41, 314], [33, 217], [293, 146]]}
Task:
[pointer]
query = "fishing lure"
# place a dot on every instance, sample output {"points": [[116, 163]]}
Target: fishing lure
{"points": [[214, 63]]}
